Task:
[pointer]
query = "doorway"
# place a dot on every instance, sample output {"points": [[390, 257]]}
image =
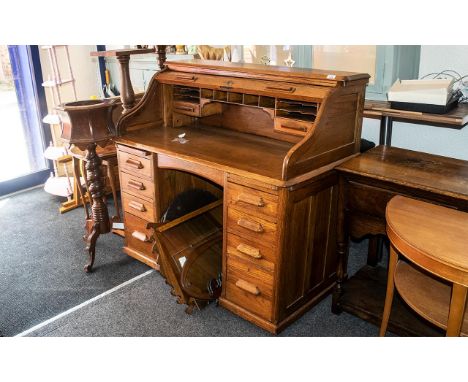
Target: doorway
{"points": [[22, 136]]}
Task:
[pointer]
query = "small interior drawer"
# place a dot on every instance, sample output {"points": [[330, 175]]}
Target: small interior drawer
{"points": [[138, 207], [253, 227], [292, 126], [136, 165], [136, 186], [249, 287], [252, 201], [187, 108], [137, 237]]}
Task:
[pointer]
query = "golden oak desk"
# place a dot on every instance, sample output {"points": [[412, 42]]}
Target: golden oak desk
{"points": [[265, 139]]}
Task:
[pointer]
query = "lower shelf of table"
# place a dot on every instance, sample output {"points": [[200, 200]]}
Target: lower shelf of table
{"points": [[364, 297]]}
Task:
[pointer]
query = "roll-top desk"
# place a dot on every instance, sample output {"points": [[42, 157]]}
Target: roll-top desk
{"points": [[266, 140]]}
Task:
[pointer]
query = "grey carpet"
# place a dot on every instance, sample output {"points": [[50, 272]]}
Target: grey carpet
{"points": [[42, 257], [41, 275], [146, 308]]}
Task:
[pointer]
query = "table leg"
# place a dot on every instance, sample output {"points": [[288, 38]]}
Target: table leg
{"points": [[76, 174], [375, 249], [388, 140], [457, 310], [390, 289], [342, 247], [110, 174], [383, 130]]}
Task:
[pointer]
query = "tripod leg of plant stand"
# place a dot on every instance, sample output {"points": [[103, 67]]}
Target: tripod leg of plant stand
{"points": [[91, 247], [99, 213]]}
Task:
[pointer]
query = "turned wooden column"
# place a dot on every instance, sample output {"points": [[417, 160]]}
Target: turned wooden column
{"points": [[161, 51], [99, 213], [127, 95], [342, 238]]}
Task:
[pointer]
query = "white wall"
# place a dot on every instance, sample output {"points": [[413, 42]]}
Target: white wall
{"points": [[430, 139]]}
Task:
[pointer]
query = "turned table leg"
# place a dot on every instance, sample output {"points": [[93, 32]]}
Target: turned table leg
{"points": [[342, 247], [127, 94]]}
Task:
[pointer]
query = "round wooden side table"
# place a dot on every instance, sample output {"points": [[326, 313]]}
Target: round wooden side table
{"points": [[433, 276]]}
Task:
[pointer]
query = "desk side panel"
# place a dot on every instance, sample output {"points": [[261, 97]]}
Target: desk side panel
{"points": [[149, 112], [336, 134], [308, 259]]}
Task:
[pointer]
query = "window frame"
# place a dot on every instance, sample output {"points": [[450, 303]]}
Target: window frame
{"points": [[392, 62]]}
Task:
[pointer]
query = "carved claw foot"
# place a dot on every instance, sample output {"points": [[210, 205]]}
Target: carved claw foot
{"points": [[91, 247], [189, 309]]}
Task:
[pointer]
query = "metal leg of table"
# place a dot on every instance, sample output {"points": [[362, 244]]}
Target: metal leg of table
{"points": [[388, 140], [383, 130]]}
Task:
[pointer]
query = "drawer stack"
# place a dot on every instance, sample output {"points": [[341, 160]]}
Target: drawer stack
{"points": [[251, 248], [138, 201]]}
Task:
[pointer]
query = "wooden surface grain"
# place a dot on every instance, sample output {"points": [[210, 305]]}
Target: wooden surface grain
{"points": [[220, 148], [429, 230], [433, 173]]}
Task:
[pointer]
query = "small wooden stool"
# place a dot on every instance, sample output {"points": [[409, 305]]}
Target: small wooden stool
{"points": [[434, 282]]}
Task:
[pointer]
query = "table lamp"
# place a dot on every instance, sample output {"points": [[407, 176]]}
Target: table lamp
{"points": [[87, 124]]}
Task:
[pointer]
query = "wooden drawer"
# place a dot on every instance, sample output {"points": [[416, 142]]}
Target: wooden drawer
{"points": [[258, 254], [138, 207], [255, 228], [136, 186], [249, 287], [137, 237], [187, 108], [252, 201], [292, 126], [368, 199], [136, 165]]}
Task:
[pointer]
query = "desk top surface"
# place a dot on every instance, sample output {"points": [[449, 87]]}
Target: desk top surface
{"points": [[434, 173], [456, 118], [224, 149]]}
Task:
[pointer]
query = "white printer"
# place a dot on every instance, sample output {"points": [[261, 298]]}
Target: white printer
{"points": [[430, 96]]}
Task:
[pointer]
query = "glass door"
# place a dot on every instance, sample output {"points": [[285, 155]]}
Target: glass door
{"points": [[22, 136]]}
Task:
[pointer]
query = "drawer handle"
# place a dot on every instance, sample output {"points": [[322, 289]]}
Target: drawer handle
{"points": [[291, 127], [249, 251], [141, 236], [248, 287], [288, 90], [136, 185], [185, 108], [134, 163], [137, 206], [250, 225], [251, 199], [188, 78]]}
